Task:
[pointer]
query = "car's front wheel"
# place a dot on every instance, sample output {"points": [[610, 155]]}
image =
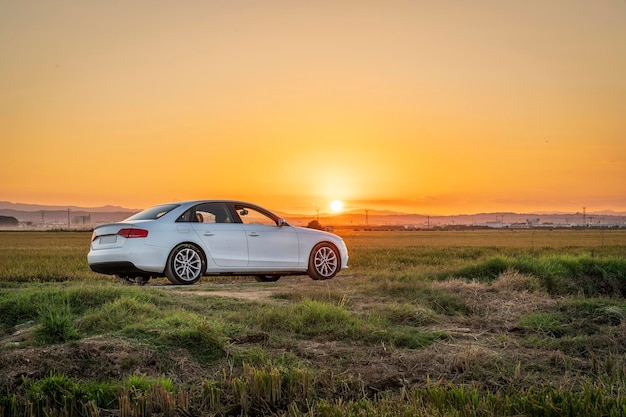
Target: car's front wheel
{"points": [[185, 264], [324, 262]]}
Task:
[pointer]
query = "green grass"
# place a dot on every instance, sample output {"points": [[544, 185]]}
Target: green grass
{"points": [[57, 324], [324, 321], [26, 303], [558, 274]]}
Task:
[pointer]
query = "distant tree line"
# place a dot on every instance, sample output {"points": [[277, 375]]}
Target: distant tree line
{"points": [[8, 221], [315, 224]]}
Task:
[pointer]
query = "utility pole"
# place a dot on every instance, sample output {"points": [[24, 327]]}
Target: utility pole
{"points": [[68, 219], [584, 217]]}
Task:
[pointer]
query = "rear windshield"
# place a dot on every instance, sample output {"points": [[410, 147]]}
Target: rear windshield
{"points": [[153, 213]]}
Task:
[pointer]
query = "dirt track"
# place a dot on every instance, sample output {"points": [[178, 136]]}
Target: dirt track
{"points": [[246, 288]]}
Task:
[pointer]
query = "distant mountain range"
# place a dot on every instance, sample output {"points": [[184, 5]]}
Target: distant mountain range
{"points": [[56, 217], [38, 207], [43, 216]]}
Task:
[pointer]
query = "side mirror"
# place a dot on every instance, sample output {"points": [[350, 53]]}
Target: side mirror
{"points": [[281, 222], [243, 212]]}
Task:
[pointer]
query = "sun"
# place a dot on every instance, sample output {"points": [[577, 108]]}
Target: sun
{"points": [[336, 206]]}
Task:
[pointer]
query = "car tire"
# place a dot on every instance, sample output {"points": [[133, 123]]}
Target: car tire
{"points": [[324, 262], [267, 278], [185, 265]]}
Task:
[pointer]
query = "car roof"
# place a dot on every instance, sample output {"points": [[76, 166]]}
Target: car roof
{"points": [[194, 202]]}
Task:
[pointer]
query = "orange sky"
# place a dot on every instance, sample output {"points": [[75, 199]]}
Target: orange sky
{"points": [[437, 107]]}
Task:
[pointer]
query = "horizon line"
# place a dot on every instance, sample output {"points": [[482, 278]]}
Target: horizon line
{"points": [[374, 212]]}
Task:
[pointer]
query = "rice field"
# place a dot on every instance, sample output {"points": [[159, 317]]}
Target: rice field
{"points": [[62, 256]]}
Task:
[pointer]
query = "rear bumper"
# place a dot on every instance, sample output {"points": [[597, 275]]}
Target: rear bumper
{"points": [[124, 269], [133, 258]]}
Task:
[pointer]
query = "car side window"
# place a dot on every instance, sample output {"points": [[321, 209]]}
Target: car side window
{"points": [[251, 216], [207, 213], [213, 213], [185, 217]]}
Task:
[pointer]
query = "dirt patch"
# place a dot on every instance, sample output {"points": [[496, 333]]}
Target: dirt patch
{"points": [[265, 295], [99, 358], [243, 288]]}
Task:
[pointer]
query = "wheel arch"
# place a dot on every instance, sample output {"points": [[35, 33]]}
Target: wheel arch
{"points": [[201, 250], [331, 243], [311, 271]]}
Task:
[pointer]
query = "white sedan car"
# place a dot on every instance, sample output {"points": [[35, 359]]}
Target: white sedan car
{"points": [[186, 240]]}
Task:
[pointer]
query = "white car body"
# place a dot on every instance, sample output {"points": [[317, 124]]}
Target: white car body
{"points": [[186, 240]]}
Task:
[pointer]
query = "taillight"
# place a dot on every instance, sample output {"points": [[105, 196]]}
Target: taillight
{"points": [[132, 233]]}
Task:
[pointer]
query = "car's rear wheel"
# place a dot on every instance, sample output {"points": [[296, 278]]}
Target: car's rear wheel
{"points": [[324, 261], [185, 264], [267, 278]]}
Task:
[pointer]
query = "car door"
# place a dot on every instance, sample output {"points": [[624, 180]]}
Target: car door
{"points": [[270, 246], [224, 240]]}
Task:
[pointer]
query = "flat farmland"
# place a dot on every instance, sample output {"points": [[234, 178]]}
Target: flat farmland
{"points": [[62, 256], [523, 238], [480, 322]]}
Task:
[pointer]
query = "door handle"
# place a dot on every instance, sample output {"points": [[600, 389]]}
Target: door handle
{"points": [[209, 233], [253, 234]]}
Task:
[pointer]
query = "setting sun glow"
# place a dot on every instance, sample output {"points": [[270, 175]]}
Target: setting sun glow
{"points": [[336, 206], [415, 106]]}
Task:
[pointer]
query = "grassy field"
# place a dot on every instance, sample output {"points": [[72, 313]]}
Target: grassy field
{"points": [[467, 323]]}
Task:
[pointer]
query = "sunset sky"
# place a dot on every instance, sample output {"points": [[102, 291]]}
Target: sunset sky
{"points": [[433, 107]]}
